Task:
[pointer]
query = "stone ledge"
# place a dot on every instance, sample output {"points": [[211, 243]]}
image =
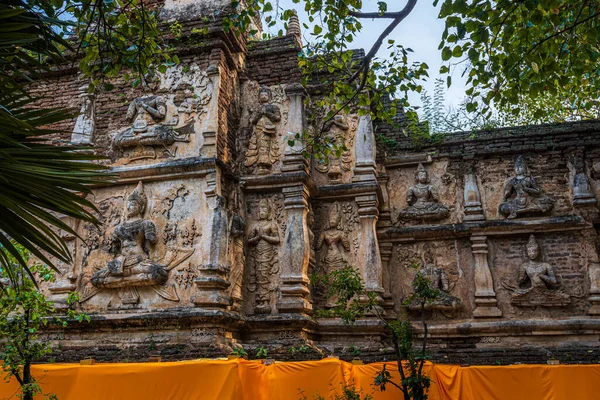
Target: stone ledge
{"points": [[488, 228], [180, 168], [575, 325]]}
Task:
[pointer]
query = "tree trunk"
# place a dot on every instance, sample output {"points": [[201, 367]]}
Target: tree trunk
{"points": [[27, 394]]}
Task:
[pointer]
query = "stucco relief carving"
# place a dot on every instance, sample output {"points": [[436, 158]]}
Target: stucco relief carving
{"points": [[522, 195], [537, 283], [438, 279], [131, 244], [263, 149], [83, 132], [158, 121], [263, 238], [582, 192], [339, 131], [236, 273], [335, 239], [423, 200]]}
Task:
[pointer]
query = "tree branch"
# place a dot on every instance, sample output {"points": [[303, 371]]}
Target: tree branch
{"points": [[377, 45]]}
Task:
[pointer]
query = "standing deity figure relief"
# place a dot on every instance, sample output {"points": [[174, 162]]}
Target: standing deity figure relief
{"points": [[438, 280], [522, 195], [423, 200], [335, 239], [263, 150], [146, 113], [131, 242], [334, 166], [264, 236], [538, 285]]}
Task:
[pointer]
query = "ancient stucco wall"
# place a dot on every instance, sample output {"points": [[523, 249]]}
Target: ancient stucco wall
{"points": [[216, 220]]}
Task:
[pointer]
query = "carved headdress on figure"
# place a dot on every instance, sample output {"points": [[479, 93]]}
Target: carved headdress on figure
{"points": [[139, 196]]}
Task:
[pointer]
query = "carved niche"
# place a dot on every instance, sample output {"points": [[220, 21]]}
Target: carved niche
{"points": [[263, 149], [83, 132], [159, 121], [582, 192], [423, 200], [438, 280], [263, 240], [130, 245], [522, 195], [340, 132], [537, 283], [334, 240]]}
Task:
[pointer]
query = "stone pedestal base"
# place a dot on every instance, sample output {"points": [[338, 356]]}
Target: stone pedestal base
{"points": [[595, 308], [212, 284], [486, 308]]}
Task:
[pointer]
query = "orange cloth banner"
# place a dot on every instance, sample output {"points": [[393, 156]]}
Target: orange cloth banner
{"points": [[247, 380]]}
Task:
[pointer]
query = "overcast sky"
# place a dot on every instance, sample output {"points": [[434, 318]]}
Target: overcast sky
{"points": [[421, 31]]}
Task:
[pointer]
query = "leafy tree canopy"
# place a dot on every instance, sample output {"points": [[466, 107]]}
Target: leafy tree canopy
{"points": [[520, 52]]}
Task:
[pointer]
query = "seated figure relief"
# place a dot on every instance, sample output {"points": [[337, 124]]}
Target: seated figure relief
{"points": [[538, 285], [522, 195], [146, 113], [438, 280], [423, 201], [130, 242], [263, 150]]}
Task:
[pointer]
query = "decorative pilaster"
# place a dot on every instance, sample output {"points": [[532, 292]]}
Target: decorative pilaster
{"points": [[486, 305], [293, 160], [473, 209], [385, 214], [365, 168], [210, 125], [590, 238], [295, 253], [388, 302], [67, 278], [212, 282], [368, 258]]}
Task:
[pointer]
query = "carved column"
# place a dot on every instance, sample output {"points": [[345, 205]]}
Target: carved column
{"points": [[388, 302], [365, 167], [212, 282], [473, 210], [590, 237], [369, 259], [66, 279], [486, 305], [293, 160], [385, 214], [210, 125], [295, 253]]}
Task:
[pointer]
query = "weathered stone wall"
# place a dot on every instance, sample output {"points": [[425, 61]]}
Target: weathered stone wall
{"points": [[216, 220]]}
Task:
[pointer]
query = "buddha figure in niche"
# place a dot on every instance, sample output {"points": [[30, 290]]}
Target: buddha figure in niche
{"points": [[263, 150], [538, 285], [423, 201], [522, 195], [130, 243], [438, 280], [146, 113]]}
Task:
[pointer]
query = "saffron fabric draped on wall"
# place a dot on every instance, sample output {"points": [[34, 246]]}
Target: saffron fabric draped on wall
{"points": [[247, 380]]}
